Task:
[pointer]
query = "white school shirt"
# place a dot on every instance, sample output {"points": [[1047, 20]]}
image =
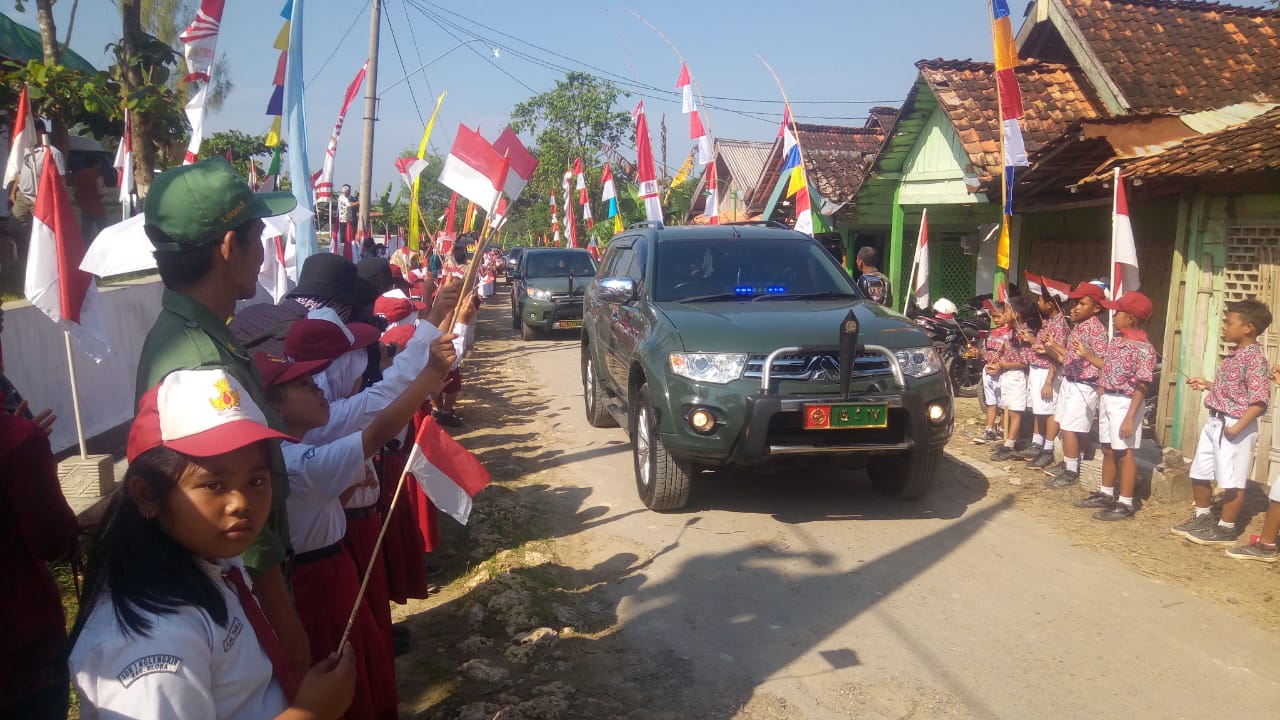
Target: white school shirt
{"points": [[318, 474], [186, 667]]}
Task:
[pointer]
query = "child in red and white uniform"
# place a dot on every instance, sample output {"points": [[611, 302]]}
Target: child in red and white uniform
{"points": [[325, 578], [1078, 400], [1044, 381], [168, 625], [991, 349], [1010, 368], [1238, 396], [1128, 368]]}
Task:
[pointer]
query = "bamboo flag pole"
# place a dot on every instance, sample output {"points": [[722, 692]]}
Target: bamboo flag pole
{"points": [[702, 104], [75, 396], [468, 287], [1000, 276], [795, 130]]}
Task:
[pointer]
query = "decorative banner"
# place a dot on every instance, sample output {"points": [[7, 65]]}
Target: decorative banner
{"points": [[474, 169], [296, 121], [275, 104], [415, 211], [646, 176], [124, 168], [523, 163], [685, 85], [199, 46], [712, 210], [921, 285], [24, 136], [1009, 98], [324, 184], [1124, 252]]}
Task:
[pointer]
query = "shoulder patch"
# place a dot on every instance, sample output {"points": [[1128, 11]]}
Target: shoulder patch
{"points": [[148, 665], [309, 454], [233, 631]]}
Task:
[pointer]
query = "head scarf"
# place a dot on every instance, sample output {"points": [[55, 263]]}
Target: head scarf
{"points": [[339, 378]]}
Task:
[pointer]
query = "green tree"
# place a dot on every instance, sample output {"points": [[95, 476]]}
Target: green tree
{"points": [[576, 118], [245, 148]]}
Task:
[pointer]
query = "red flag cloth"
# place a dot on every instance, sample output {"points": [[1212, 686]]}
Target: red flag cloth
{"points": [[712, 209], [591, 248], [646, 177], [451, 215], [23, 138], [54, 281], [473, 169], [447, 472], [523, 163], [1124, 251], [1056, 288]]}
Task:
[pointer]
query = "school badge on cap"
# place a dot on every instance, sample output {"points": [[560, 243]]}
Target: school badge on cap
{"points": [[197, 413]]}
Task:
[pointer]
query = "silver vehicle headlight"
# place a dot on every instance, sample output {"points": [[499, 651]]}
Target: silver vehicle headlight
{"points": [[919, 362], [538, 293], [716, 368]]}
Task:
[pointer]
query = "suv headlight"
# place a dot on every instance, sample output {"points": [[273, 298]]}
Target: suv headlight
{"points": [[918, 362], [537, 293], [716, 368]]}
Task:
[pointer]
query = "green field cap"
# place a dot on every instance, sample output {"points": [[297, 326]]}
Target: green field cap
{"points": [[197, 204]]}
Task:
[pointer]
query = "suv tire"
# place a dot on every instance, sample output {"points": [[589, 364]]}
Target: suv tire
{"points": [[662, 481], [904, 477], [515, 318], [527, 332], [593, 395]]}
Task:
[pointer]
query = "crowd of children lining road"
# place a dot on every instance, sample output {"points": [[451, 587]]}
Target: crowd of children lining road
{"points": [[1073, 374], [265, 450]]}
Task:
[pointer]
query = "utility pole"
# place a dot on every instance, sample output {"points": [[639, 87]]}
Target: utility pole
{"points": [[370, 117]]}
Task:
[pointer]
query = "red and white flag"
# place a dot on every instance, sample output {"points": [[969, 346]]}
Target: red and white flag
{"points": [[920, 287], [685, 86], [54, 281], [591, 248], [500, 215], [1035, 283], [410, 168], [804, 213], [199, 47], [254, 180], [699, 135], [712, 187], [570, 223], [273, 274], [124, 167], [580, 181], [474, 170], [447, 472], [786, 125], [323, 183], [646, 175], [523, 163], [1124, 252], [23, 137], [555, 221], [1057, 289]]}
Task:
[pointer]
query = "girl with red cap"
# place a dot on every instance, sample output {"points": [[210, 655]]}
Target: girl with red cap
{"points": [[168, 624]]}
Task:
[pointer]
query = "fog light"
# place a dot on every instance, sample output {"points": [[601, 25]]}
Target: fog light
{"points": [[937, 413], [702, 420]]}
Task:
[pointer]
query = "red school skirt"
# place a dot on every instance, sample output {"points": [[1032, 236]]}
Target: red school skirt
{"points": [[325, 584], [363, 526], [404, 545]]}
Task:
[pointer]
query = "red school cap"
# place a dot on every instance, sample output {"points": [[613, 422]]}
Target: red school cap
{"points": [[1087, 289], [276, 370], [323, 336], [1134, 303]]}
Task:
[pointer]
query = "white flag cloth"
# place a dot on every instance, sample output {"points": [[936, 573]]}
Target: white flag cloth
{"points": [[712, 210], [685, 86], [1124, 252], [124, 167], [646, 175], [199, 47], [323, 184], [921, 284], [54, 281], [410, 168], [474, 170], [22, 138], [448, 474]]}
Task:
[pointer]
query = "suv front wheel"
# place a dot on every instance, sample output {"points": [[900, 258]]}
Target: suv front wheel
{"points": [[593, 395], [662, 481], [904, 477]]}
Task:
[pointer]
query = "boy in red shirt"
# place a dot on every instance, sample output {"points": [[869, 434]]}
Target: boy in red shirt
{"points": [[991, 350], [1078, 399], [1128, 368]]}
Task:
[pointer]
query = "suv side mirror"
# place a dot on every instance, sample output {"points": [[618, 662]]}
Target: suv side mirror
{"points": [[618, 290]]}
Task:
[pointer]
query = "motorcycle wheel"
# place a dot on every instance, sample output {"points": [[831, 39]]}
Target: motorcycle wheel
{"points": [[966, 376]]}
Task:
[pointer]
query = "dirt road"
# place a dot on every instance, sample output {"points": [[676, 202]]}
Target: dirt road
{"points": [[799, 595]]}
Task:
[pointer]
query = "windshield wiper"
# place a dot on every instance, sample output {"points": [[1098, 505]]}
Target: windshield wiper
{"points": [[716, 297], [803, 296]]}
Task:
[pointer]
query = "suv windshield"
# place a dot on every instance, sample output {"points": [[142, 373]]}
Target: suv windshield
{"points": [[690, 270], [559, 264]]}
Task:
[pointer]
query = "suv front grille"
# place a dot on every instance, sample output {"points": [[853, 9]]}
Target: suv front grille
{"points": [[817, 367]]}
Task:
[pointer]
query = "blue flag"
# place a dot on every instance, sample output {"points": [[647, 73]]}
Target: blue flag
{"points": [[296, 124]]}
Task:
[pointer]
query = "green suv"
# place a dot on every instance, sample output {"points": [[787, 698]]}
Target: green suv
{"points": [[720, 347], [546, 289]]}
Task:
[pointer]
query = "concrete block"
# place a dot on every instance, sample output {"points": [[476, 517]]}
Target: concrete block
{"points": [[86, 480], [1170, 480]]}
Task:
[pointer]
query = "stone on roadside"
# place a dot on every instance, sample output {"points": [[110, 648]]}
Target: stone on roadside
{"points": [[479, 711], [475, 615], [475, 644], [483, 671]]}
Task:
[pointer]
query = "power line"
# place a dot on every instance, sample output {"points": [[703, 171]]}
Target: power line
{"points": [[396, 43], [478, 54], [426, 78], [338, 45]]}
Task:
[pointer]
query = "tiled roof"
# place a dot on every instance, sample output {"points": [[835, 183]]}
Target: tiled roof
{"points": [[881, 117], [836, 159], [1053, 97], [1178, 55], [1249, 148], [744, 159]]}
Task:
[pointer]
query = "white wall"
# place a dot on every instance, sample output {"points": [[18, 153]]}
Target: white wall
{"points": [[35, 359]]}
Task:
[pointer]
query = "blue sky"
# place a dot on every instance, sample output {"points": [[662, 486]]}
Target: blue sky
{"points": [[851, 53]]}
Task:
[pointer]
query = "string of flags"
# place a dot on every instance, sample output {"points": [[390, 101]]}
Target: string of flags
{"points": [[275, 105], [1010, 100], [199, 46]]}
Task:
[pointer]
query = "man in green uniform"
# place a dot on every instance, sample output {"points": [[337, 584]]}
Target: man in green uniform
{"points": [[205, 223]]}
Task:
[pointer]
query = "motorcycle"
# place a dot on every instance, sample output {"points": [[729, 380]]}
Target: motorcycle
{"points": [[958, 338]]}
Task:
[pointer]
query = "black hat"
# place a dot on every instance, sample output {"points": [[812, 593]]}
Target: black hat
{"points": [[375, 279], [328, 276]]}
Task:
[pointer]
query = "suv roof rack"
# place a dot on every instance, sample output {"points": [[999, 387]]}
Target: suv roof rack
{"points": [[656, 225], [761, 223]]}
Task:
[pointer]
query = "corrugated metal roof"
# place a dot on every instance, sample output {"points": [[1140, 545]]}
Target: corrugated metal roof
{"points": [[743, 158]]}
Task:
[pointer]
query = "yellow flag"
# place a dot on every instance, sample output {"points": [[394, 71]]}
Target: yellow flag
{"points": [[415, 212], [273, 135], [617, 223], [798, 180], [282, 39], [1002, 248], [682, 174]]}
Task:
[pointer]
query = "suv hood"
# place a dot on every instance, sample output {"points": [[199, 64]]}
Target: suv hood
{"points": [[762, 327]]}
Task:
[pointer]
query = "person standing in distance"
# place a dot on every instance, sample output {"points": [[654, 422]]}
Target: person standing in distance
{"points": [[873, 282]]}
